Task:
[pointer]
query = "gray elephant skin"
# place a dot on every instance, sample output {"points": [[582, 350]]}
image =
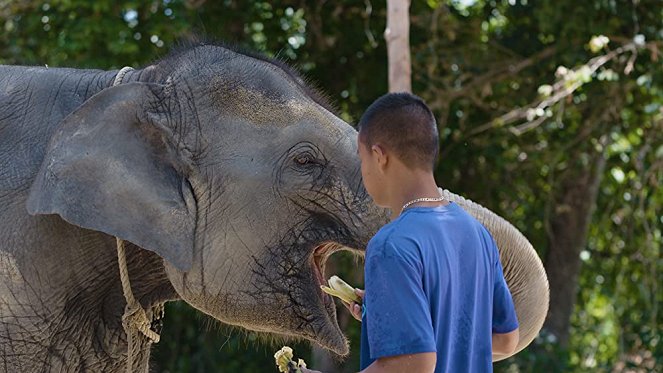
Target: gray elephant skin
{"points": [[225, 174]]}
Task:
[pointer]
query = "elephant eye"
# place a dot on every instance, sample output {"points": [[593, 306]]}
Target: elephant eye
{"points": [[304, 159]]}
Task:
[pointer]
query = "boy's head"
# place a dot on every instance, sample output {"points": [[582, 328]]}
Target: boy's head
{"points": [[396, 126], [403, 125]]}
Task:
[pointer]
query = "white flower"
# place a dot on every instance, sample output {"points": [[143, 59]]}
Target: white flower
{"points": [[545, 90], [584, 74], [598, 42], [531, 114], [561, 71]]}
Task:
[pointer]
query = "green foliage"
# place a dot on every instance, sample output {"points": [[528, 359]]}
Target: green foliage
{"points": [[615, 112], [474, 61]]}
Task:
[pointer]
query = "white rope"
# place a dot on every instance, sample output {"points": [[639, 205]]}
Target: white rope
{"points": [[134, 314], [135, 318], [120, 75]]}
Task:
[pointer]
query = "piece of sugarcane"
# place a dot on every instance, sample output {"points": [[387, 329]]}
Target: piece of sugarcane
{"points": [[341, 290], [284, 362]]}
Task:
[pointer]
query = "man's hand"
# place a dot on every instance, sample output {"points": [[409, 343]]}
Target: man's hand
{"points": [[305, 370], [355, 308]]}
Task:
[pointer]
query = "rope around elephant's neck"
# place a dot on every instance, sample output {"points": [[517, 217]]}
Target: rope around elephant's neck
{"points": [[135, 317], [120, 75], [134, 314]]}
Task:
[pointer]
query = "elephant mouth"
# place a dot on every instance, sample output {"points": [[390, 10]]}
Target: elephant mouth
{"points": [[320, 256], [330, 336]]}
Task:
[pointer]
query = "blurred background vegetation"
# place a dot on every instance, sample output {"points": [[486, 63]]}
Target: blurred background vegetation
{"points": [[560, 135]]}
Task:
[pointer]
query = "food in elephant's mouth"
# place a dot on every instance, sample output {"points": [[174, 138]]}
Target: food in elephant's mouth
{"points": [[341, 290]]}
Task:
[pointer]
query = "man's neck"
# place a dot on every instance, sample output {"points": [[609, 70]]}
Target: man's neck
{"points": [[411, 185]]}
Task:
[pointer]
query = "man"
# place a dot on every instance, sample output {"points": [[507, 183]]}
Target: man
{"points": [[435, 299]]}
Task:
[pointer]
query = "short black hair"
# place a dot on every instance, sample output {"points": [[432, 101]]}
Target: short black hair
{"points": [[405, 125]]}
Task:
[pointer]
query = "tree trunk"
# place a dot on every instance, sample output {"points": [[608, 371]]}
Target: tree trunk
{"points": [[571, 216], [397, 36]]}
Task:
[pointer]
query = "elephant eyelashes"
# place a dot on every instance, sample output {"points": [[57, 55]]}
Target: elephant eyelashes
{"points": [[306, 156]]}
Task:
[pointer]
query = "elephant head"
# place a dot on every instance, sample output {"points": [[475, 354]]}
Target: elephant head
{"points": [[233, 171]]}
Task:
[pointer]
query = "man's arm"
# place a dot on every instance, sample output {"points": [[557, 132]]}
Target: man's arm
{"points": [[505, 343], [423, 362]]}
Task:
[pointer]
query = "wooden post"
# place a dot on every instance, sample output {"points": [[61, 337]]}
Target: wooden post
{"points": [[397, 35]]}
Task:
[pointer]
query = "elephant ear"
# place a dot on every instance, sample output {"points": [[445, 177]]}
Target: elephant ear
{"points": [[523, 270], [111, 166]]}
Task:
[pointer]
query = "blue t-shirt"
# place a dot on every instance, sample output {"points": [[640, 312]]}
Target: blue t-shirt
{"points": [[434, 283]]}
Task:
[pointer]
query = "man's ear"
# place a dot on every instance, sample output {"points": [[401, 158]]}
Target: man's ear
{"points": [[112, 166], [380, 155]]}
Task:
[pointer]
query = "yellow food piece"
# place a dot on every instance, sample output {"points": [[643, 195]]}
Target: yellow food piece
{"points": [[283, 358], [301, 363], [341, 290]]}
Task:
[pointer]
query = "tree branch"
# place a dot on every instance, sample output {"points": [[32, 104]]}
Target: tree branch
{"points": [[563, 88]]}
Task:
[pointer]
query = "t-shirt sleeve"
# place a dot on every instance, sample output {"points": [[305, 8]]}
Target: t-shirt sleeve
{"points": [[397, 311], [504, 313]]}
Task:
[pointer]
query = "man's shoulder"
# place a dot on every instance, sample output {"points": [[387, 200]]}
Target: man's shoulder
{"points": [[455, 217], [393, 240], [407, 235]]}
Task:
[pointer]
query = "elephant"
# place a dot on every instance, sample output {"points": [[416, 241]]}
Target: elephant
{"points": [[223, 178]]}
